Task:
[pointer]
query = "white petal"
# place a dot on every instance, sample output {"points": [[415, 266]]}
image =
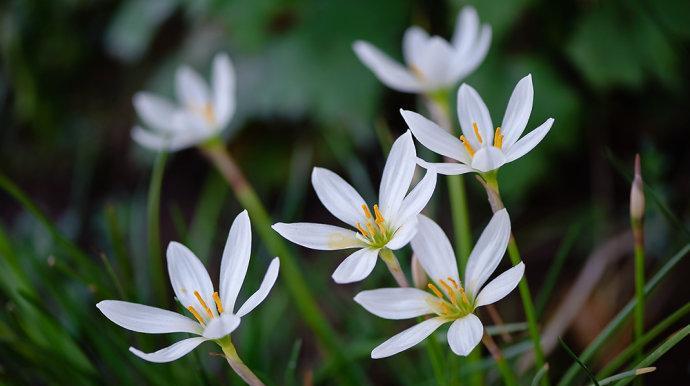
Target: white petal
{"points": [[396, 303], [529, 141], [465, 334], [518, 111], [407, 338], [187, 274], [413, 43], [465, 63], [221, 326], [471, 109], [150, 140], [403, 235], [192, 91], [265, 287], [236, 254], [151, 320], [466, 27], [318, 236], [357, 266], [433, 250], [413, 204], [154, 111], [434, 62], [445, 168], [223, 80], [487, 253], [397, 176], [501, 286], [170, 353], [488, 158], [389, 72], [339, 197], [433, 137]]}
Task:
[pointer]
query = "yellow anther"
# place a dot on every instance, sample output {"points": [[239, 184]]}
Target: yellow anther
{"points": [[453, 282], [476, 132], [371, 229], [196, 314], [464, 296], [377, 212], [444, 308], [207, 112], [219, 304], [449, 291], [467, 145], [416, 71], [361, 230], [367, 213], [435, 290], [498, 138], [203, 304]]}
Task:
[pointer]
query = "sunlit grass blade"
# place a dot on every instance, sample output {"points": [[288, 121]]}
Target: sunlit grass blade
{"points": [[579, 362], [153, 226], [289, 377], [625, 374], [617, 322], [660, 351], [539, 375]]}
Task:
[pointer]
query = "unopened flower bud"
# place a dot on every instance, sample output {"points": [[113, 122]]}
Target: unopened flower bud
{"points": [[419, 278], [637, 204]]}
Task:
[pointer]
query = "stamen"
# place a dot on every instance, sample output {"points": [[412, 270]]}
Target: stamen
{"points": [[464, 296], [196, 314], [219, 304], [416, 71], [371, 229], [361, 230], [203, 304], [367, 213], [476, 132], [467, 145], [435, 290], [498, 138], [444, 308], [449, 290], [379, 216], [453, 282], [381, 227]]}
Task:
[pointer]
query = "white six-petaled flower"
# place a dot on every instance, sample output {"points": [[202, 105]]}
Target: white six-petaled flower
{"points": [[450, 300], [432, 63], [480, 148], [389, 224], [213, 315], [200, 113]]}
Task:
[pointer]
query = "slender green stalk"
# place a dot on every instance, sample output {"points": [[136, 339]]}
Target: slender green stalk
{"points": [[637, 206], [617, 322], [393, 265], [290, 271], [625, 374], [539, 375], [237, 364], [153, 227], [434, 351], [503, 367], [651, 334], [490, 183], [660, 351]]}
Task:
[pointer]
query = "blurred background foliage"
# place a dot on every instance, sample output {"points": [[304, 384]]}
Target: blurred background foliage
{"points": [[614, 74]]}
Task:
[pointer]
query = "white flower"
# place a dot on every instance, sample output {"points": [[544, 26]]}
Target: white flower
{"points": [[432, 62], [213, 315], [480, 148], [450, 300], [200, 113], [391, 224]]}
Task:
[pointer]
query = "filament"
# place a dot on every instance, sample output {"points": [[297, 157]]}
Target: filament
{"points": [[196, 314], [203, 304], [476, 132]]}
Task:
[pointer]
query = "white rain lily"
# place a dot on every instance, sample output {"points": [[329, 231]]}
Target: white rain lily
{"points": [[432, 63], [480, 148], [199, 114], [391, 224], [212, 312], [450, 300]]}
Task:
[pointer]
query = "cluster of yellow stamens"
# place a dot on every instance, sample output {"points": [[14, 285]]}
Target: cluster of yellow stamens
{"points": [[498, 139], [205, 307], [456, 303], [206, 111], [377, 230]]}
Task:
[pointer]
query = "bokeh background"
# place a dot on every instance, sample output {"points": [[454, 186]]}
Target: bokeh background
{"points": [[614, 74]]}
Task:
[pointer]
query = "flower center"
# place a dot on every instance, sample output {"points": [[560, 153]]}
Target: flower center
{"points": [[205, 307], [205, 111], [498, 139], [416, 71], [454, 303], [374, 230]]}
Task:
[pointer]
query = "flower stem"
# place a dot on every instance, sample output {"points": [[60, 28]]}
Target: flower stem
{"points": [[637, 208], [153, 226], [393, 265], [236, 363], [503, 366], [490, 183], [219, 156]]}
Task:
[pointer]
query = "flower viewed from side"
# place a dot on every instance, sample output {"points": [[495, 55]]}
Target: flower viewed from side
{"points": [[480, 148], [389, 224], [449, 299], [212, 315], [200, 113], [432, 63]]}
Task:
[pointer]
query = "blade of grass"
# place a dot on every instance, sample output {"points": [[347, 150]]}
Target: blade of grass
{"points": [[579, 362], [625, 374], [539, 375], [621, 317]]}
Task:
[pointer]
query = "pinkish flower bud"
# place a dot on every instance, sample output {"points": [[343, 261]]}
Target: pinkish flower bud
{"points": [[637, 203]]}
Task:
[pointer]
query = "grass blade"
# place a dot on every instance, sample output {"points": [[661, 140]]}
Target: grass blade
{"points": [[153, 226], [578, 361]]}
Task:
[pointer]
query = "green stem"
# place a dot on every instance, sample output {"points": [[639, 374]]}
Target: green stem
{"points": [[490, 183], [434, 351], [290, 271], [503, 367], [638, 229], [394, 267], [153, 226], [237, 364]]}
